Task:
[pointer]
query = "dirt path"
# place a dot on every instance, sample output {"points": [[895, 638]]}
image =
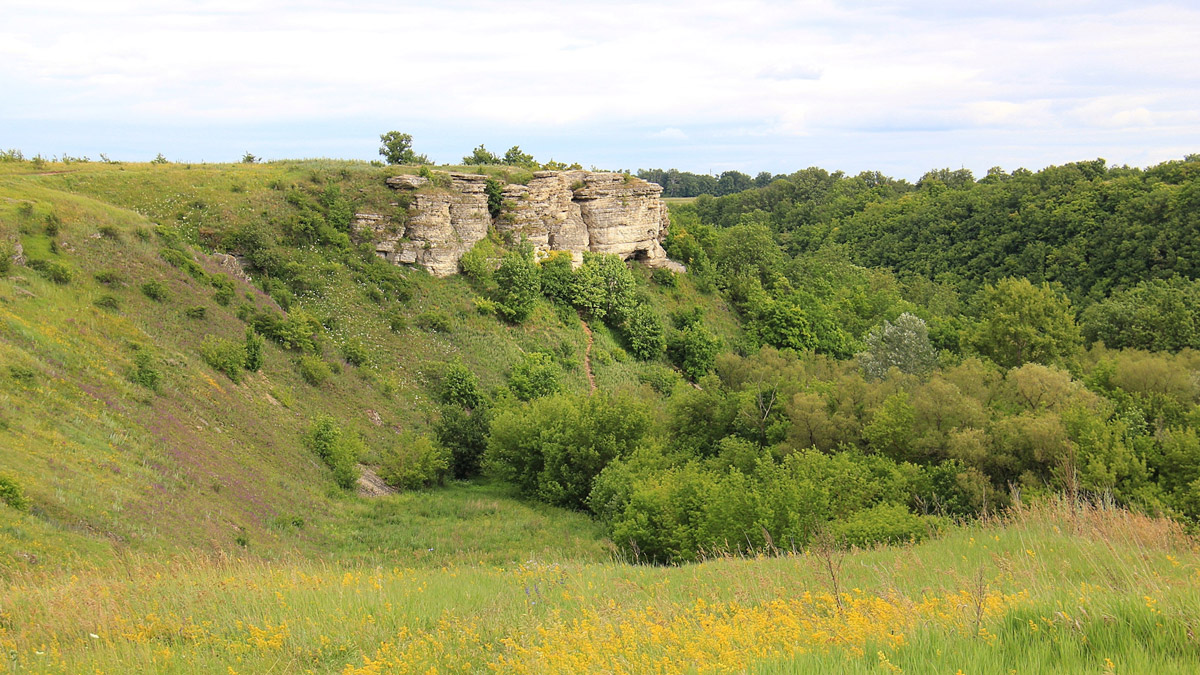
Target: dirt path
{"points": [[587, 356]]}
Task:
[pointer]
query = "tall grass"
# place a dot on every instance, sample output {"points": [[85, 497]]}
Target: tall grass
{"points": [[1051, 588]]}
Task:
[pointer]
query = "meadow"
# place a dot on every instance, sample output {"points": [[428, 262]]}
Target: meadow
{"points": [[1054, 587]]}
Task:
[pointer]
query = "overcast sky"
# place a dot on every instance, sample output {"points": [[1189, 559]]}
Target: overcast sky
{"points": [[900, 87]]}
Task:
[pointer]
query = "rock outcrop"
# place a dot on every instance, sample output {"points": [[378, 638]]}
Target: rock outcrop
{"points": [[575, 211]]}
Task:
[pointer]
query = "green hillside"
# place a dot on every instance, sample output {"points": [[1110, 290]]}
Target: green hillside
{"points": [[122, 437]]}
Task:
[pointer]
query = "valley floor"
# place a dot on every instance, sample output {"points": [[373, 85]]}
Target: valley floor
{"points": [[1048, 589]]}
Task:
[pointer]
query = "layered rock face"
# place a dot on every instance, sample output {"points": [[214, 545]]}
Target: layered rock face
{"points": [[442, 224], [573, 211]]}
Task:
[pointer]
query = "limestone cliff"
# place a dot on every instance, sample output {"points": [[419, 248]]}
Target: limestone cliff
{"points": [[573, 211]]}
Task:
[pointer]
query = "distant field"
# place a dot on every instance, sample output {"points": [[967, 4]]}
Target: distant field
{"points": [[672, 201]]}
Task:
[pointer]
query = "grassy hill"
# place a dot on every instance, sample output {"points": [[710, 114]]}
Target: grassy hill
{"points": [[199, 460], [178, 522]]}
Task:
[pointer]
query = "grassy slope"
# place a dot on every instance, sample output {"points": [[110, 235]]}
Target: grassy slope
{"points": [[110, 465], [207, 463]]}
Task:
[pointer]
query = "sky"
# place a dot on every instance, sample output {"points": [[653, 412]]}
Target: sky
{"points": [[897, 87]]}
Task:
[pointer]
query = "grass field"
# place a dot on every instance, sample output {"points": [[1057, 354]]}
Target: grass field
{"points": [[1049, 589]]}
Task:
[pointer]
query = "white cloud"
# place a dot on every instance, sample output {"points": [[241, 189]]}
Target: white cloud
{"points": [[670, 134], [781, 72]]}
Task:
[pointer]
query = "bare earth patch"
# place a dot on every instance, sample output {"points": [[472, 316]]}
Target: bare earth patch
{"points": [[370, 484]]}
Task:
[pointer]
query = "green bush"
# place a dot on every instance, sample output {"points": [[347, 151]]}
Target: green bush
{"points": [[297, 330], [553, 447], [183, 261], [433, 321], [643, 332], [414, 462], [535, 375], [226, 356], [694, 350], [314, 370], [197, 312], [108, 301], [459, 387], [664, 277], [397, 323], [12, 495], [355, 352], [22, 374], [464, 433], [660, 378], [53, 270], [518, 284], [155, 290], [881, 524], [7, 250], [254, 346], [145, 372], [109, 277], [226, 289], [338, 449], [479, 263], [558, 277]]}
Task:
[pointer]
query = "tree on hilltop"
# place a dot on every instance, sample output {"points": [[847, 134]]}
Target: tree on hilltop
{"points": [[397, 149]]}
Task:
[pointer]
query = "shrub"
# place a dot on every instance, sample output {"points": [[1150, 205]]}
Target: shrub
{"points": [[108, 301], [155, 290], [109, 277], [694, 350], [7, 251], [53, 270], [183, 261], [397, 323], [355, 352], [433, 321], [479, 263], [197, 312], [535, 375], [518, 284], [53, 225], [558, 278], [644, 333], [11, 494], [145, 372], [904, 345], [881, 524], [314, 370], [223, 355], [414, 462], [664, 277], [660, 378], [459, 387], [22, 374], [254, 346], [553, 447], [110, 232], [464, 433], [338, 449], [295, 331], [225, 289]]}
